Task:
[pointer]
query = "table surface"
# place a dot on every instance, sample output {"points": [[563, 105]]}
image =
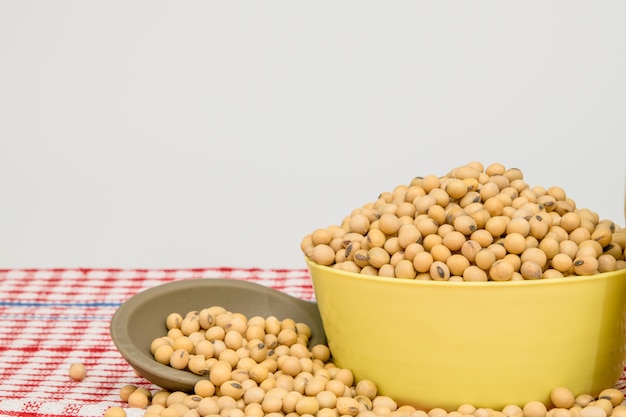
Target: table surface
{"points": [[52, 318]]}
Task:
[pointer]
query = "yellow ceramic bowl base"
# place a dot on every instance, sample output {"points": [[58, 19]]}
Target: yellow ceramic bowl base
{"points": [[443, 344]]}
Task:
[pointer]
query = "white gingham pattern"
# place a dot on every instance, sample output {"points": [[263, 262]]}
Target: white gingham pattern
{"points": [[52, 318]]}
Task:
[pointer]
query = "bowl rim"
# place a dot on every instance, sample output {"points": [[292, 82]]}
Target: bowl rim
{"points": [[572, 279]]}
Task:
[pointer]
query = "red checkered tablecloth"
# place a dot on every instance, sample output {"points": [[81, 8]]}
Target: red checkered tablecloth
{"points": [[52, 318]]}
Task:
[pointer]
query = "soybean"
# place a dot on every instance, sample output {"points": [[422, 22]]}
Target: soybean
{"points": [[115, 411], [490, 206], [77, 371]]}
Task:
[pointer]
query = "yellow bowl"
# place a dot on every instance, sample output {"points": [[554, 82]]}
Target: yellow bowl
{"points": [[443, 344]]}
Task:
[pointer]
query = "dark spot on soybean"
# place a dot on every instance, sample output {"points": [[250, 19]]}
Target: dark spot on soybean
{"points": [[361, 257], [349, 249], [441, 272]]}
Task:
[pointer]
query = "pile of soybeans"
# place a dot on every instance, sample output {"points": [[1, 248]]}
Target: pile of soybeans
{"points": [[262, 367], [475, 223]]}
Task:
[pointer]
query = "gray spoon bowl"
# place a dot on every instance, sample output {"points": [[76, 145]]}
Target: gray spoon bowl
{"points": [[141, 319]]}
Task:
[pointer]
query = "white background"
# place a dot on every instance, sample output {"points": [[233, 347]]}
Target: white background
{"points": [[198, 134]]}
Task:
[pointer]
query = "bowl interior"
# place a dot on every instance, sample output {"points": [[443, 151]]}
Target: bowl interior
{"points": [[141, 319]]}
